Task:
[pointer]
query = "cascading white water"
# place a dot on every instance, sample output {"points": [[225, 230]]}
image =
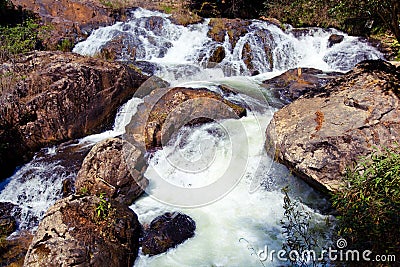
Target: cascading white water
{"points": [[181, 52], [39, 183], [253, 208]]}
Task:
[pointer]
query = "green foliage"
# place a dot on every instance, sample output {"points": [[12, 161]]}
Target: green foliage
{"points": [[83, 191], [354, 17], [167, 9], [383, 14], [396, 46], [301, 234], [65, 45], [115, 4], [21, 38], [369, 205], [301, 13], [103, 208]]}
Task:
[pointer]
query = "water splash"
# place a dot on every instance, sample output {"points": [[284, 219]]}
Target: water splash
{"points": [[39, 183], [180, 52]]}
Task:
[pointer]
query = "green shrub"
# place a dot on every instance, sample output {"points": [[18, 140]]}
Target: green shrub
{"points": [[21, 38], [303, 233], [65, 45], [369, 204]]}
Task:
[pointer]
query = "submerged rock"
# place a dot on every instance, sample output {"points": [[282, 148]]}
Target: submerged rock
{"points": [[54, 96], [335, 39], [318, 137], [167, 231], [74, 232], [166, 110], [114, 168]]}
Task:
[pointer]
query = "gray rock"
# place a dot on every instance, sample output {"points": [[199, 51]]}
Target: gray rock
{"points": [[335, 39], [295, 83], [115, 168]]}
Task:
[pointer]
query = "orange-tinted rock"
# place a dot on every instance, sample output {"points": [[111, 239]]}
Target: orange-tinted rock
{"points": [[166, 110]]}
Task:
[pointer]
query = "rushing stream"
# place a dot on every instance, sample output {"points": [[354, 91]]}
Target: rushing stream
{"points": [[252, 208]]}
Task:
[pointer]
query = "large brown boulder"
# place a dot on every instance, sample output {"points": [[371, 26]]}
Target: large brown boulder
{"points": [[167, 231], [166, 110], [8, 223], [54, 96], [114, 168], [74, 232], [319, 137]]}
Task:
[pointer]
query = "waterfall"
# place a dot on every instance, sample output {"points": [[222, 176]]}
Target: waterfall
{"points": [[252, 207], [178, 52]]}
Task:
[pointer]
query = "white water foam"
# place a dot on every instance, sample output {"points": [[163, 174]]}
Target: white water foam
{"points": [[222, 224], [38, 184], [182, 53]]}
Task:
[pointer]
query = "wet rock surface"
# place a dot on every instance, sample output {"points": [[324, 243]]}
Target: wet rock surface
{"points": [[234, 28], [54, 97], [114, 168], [8, 223], [166, 110], [167, 231], [13, 250], [298, 82], [319, 136], [74, 232]]}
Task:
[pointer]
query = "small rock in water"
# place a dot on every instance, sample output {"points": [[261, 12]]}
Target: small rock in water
{"points": [[335, 39], [167, 231]]}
